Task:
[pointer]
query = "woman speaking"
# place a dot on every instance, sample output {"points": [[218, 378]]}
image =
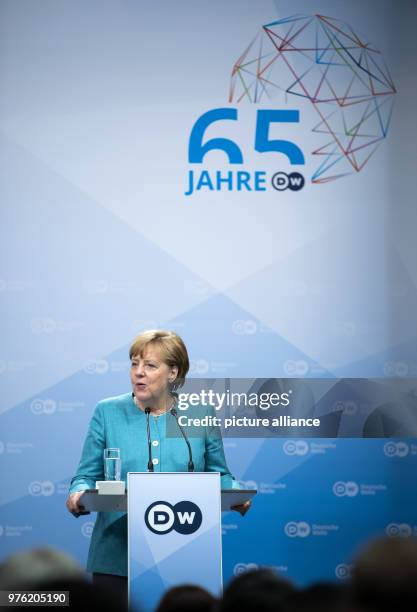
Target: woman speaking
{"points": [[159, 364]]}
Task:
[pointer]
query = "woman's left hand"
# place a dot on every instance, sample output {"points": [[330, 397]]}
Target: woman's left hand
{"points": [[242, 508]]}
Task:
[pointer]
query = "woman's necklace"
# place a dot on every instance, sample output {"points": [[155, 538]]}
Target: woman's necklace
{"points": [[135, 401]]}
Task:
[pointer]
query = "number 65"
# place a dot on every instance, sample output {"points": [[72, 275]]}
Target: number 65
{"points": [[197, 150]]}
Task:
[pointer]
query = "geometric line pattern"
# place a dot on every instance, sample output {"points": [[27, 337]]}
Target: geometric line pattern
{"points": [[345, 78]]}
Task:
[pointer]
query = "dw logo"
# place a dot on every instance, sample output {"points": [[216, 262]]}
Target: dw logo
{"points": [[396, 449], [241, 568], [296, 447], [343, 571], [297, 530], [345, 489], [399, 530], [185, 517]]}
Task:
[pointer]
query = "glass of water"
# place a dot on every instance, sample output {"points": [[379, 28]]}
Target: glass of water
{"points": [[112, 464]]}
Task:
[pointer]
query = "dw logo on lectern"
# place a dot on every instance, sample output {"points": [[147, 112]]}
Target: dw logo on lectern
{"points": [[185, 517]]}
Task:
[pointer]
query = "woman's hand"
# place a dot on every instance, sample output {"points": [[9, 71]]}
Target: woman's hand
{"points": [[242, 508], [73, 504]]}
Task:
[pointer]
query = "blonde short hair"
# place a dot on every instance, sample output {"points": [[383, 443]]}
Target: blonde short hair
{"points": [[172, 350]]}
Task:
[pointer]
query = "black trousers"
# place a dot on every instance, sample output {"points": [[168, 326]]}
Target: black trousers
{"points": [[117, 585]]}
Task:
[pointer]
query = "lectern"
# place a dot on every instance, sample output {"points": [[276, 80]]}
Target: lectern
{"points": [[174, 530]]}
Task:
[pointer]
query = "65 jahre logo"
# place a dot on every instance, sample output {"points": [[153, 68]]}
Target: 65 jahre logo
{"points": [[293, 66], [200, 179]]}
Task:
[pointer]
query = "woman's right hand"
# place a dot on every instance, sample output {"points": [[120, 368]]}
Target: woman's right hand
{"points": [[73, 504]]}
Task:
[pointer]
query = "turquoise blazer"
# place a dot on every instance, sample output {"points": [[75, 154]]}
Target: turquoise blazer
{"points": [[118, 423]]}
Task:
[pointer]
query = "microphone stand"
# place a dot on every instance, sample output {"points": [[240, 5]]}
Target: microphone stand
{"points": [[190, 453], [150, 464]]}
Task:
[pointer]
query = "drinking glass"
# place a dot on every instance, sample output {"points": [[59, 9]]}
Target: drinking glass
{"points": [[112, 464]]}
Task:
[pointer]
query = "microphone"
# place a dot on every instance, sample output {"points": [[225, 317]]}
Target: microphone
{"points": [[150, 464], [190, 453]]}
